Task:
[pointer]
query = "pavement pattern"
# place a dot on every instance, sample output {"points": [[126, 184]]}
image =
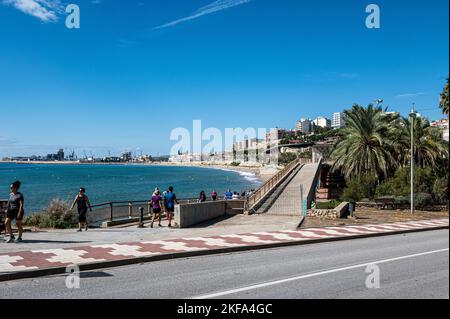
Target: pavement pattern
{"points": [[25, 261]]}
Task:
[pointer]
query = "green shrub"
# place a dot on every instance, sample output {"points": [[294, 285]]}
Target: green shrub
{"points": [[286, 158], [360, 187], [423, 200], [400, 184], [56, 215], [328, 205], [440, 191]]}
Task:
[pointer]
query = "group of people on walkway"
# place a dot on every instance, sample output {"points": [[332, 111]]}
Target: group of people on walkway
{"points": [[15, 211], [160, 202], [229, 195]]}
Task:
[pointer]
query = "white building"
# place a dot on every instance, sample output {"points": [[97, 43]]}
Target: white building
{"points": [[304, 125], [322, 122], [338, 120], [444, 126]]}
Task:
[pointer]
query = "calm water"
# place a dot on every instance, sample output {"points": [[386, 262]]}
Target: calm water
{"points": [[103, 183]]}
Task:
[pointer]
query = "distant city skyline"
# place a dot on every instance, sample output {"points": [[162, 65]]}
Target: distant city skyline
{"points": [[137, 70]]}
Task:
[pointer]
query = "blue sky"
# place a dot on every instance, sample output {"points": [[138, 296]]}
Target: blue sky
{"points": [[137, 69]]}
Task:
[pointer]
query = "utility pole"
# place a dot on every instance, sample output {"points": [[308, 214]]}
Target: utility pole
{"points": [[412, 116]]}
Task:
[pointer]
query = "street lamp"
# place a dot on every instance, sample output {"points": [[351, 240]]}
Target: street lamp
{"points": [[412, 117]]}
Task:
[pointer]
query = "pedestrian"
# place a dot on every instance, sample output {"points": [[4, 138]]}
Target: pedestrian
{"points": [[156, 204], [202, 198], [235, 196], [15, 210], [228, 195], [169, 202], [83, 203], [214, 195]]}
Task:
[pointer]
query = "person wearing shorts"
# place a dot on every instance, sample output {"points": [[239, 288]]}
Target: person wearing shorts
{"points": [[82, 202], [170, 199], [15, 211], [156, 203]]}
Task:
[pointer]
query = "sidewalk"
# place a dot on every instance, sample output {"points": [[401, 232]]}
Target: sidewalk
{"points": [[42, 262]]}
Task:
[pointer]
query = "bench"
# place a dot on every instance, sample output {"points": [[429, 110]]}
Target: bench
{"points": [[386, 202]]}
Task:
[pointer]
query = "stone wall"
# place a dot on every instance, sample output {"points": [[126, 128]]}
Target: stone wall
{"points": [[339, 212]]}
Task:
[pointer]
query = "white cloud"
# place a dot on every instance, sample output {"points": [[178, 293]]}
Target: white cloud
{"points": [[44, 10], [409, 95], [216, 6]]}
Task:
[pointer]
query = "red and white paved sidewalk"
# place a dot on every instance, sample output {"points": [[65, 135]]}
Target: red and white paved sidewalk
{"points": [[29, 261]]}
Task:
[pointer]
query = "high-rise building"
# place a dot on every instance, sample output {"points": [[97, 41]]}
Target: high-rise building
{"points": [[304, 126], [338, 120], [322, 122]]}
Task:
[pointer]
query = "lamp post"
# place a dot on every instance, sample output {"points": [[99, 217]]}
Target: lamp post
{"points": [[412, 117]]}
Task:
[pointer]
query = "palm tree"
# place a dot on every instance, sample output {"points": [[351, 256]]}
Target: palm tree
{"points": [[444, 99], [367, 147], [428, 143]]}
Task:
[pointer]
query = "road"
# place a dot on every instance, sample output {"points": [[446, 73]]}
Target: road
{"points": [[411, 266]]}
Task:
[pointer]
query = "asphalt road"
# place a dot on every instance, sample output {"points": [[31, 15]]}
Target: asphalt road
{"points": [[410, 266]]}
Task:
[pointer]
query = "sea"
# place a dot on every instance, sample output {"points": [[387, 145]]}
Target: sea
{"points": [[43, 182]]}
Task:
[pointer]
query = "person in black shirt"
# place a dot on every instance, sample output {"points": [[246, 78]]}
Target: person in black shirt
{"points": [[82, 202], [15, 211]]}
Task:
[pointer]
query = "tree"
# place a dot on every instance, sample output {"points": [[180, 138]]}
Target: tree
{"points": [[444, 99], [429, 147], [366, 147]]}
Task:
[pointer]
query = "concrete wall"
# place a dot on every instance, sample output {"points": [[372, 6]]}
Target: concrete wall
{"points": [[187, 215]]}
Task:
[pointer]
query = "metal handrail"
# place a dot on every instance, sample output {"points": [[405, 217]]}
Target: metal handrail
{"points": [[265, 189], [135, 203]]}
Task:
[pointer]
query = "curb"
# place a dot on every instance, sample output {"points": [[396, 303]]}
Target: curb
{"points": [[171, 256]]}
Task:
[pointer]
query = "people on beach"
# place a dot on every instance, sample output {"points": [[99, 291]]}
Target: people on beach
{"points": [[156, 204], [170, 199], [229, 195], [235, 196], [15, 211], [202, 198], [214, 195], [83, 203]]}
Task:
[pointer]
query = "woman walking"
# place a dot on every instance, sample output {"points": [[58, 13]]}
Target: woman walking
{"points": [[15, 211], [156, 204], [82, 202]]}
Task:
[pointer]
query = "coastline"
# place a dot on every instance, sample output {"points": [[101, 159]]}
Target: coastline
{"points": [[261, 173]]}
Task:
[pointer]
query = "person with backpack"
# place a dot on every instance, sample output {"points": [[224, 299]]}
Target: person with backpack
{"points": [[170, 199], [15, 211], [82, 202]]}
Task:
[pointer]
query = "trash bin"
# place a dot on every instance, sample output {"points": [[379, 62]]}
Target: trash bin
{"points": [[351, 208]]}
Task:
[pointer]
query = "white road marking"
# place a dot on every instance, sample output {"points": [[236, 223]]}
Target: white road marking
{"points": [[321, 273]]}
